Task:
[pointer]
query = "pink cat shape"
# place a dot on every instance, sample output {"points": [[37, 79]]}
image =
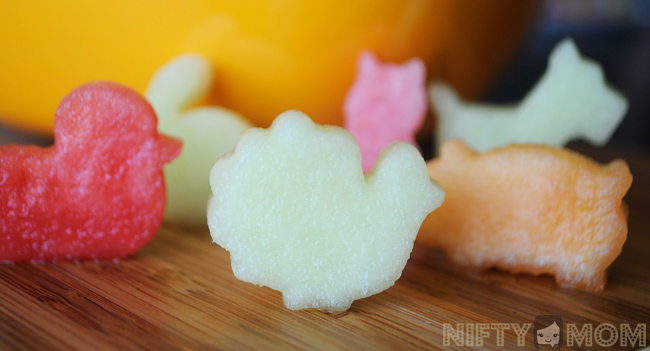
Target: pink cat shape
{"points": [[387, 102]]}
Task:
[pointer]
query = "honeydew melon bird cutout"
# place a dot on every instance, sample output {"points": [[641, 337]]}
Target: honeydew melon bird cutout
{"points": [[298, 215], [571, 100], [207, 133]]}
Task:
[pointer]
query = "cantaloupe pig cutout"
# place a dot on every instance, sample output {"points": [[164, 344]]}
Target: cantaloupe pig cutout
{"points": [[387, 102], [98, 193], [207, 133], [570, 101], [530, 208], [297, 214]]}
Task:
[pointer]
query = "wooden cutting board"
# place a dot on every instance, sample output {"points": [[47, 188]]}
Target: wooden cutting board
{"points": [[179, 293]]}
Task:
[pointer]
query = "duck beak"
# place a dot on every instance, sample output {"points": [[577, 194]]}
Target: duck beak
{"points": [[169, 148]]}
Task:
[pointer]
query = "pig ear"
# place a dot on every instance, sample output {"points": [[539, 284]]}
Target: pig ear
{"points": [[621, 173], [456, 149], [367, 62]]}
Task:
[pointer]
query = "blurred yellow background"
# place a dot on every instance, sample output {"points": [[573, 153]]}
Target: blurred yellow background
{"points": [[268, 55]]}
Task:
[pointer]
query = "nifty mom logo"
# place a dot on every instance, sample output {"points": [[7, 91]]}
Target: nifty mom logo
{"points": [[549, 332]]}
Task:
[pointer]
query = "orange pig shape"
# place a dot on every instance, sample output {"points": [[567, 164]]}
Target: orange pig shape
{"points": [[530, 208]]}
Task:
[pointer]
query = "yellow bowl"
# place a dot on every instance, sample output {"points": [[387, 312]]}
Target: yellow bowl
{"points": [[269, 56]]}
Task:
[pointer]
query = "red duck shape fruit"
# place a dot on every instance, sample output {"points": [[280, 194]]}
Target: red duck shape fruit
{"points": [[98, 193]]}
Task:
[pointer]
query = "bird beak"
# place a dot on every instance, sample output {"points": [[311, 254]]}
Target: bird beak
{"points": [[169, 148]]}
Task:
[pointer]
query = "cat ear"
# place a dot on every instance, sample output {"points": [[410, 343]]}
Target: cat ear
{"points": [[367, 62], [416, 70]]}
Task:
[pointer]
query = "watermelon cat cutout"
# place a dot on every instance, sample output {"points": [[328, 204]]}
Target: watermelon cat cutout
{"points": [[387, 102]]}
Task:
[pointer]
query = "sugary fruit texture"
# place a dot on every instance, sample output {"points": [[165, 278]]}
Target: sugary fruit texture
{"points": [[570, 101], [387, 102], [534, 209], [297, 214], [98, 193], [207, 133]]}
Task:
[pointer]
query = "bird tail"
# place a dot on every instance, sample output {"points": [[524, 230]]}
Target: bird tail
{"points": [[400, 175]]}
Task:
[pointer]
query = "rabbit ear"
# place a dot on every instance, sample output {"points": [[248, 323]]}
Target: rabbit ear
{"points": [[180, 83]]}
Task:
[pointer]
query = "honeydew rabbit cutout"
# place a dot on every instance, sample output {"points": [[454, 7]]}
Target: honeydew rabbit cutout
{"points": [[207, 133], [571, 100]]}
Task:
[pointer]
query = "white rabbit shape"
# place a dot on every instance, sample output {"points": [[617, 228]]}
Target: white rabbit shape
{"points": [[207, 133]]}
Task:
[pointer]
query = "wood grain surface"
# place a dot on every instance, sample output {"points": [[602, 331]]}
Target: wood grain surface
{"points": [[179, 293]]}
